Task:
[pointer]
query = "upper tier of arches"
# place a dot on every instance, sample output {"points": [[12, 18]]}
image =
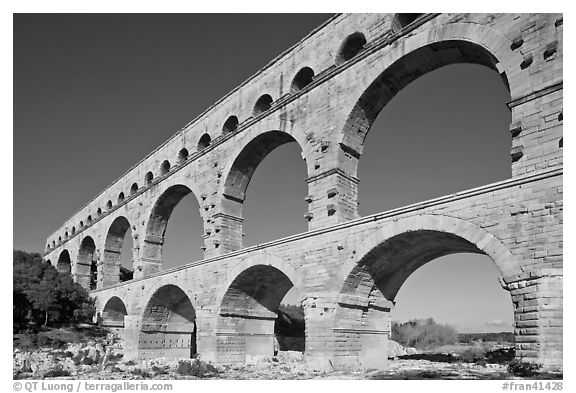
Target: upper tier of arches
{"points": [[421, 52], [234, 116]]}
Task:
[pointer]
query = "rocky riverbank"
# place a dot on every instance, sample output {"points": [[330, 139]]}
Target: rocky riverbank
{"points": [[100, 357]]}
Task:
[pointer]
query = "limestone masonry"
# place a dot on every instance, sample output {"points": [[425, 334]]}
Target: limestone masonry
{"points": [[324, 93]]}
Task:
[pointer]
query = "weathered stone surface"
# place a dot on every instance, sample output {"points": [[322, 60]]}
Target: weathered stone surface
{"points": [[347, 268]]}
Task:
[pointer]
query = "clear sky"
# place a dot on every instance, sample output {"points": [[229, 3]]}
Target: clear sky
{"points": [[93, 94]]}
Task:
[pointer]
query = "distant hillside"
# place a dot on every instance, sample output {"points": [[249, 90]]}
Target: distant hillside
{"points": [[502, 337]]}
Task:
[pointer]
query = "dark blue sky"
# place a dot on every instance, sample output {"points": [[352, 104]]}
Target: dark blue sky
{"points": [[93, 94]]}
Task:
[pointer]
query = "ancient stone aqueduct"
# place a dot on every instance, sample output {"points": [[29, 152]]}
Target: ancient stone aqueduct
{"points": [[323, 94]]}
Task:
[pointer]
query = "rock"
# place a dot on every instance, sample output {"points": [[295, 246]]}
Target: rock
{"points": [[395, 349], [257, 359], [411, 351], [290, 356]]}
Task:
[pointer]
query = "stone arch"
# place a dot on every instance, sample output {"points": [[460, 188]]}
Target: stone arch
{"points": [[113, 313], [377, 268], [420, 54], [111, 269], [263, 104], [64, 263], [262, 259], [249, 305], [87, 265], [157, 224], [350, 47], [238, 173], [183, 155], [165, 167], [109, 205], [303, 78], [168, 326], [148, 178], [400, 21], [121, 197], [133, 188], [204, 142], [230, 125]]}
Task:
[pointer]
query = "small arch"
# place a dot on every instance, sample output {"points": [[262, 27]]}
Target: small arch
{"points": [[65, 234], [134, 189], [302, 79], [48, 261], [53, 243], [400, 21], [99, 212], [109, 205], [230, 125], [121, 198], [262, 105], [165, 167], [204, 142], [73, 230], [113, 313], [148, 178], [81, 224], [59, 240], [351, 46], [89, 219], [182, 155]]}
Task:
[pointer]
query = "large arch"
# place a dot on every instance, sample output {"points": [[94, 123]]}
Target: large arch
{"points": [[239, 174], [110, 272], [157, 225], [168, 325], [398, 75], [64, 264], [420, 54], [113, 313], [377, 268], [87, 265], [249, 307]]}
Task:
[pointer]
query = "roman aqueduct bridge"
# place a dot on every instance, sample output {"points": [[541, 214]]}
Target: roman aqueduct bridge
{"points": [[324, 94]]}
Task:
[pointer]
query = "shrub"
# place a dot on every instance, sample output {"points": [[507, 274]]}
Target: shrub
{"points": [[57, 371], [196, 369], [141, 373], [160, 370], [423, 334], [523, 369], [501, 355], [473, 355]]}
